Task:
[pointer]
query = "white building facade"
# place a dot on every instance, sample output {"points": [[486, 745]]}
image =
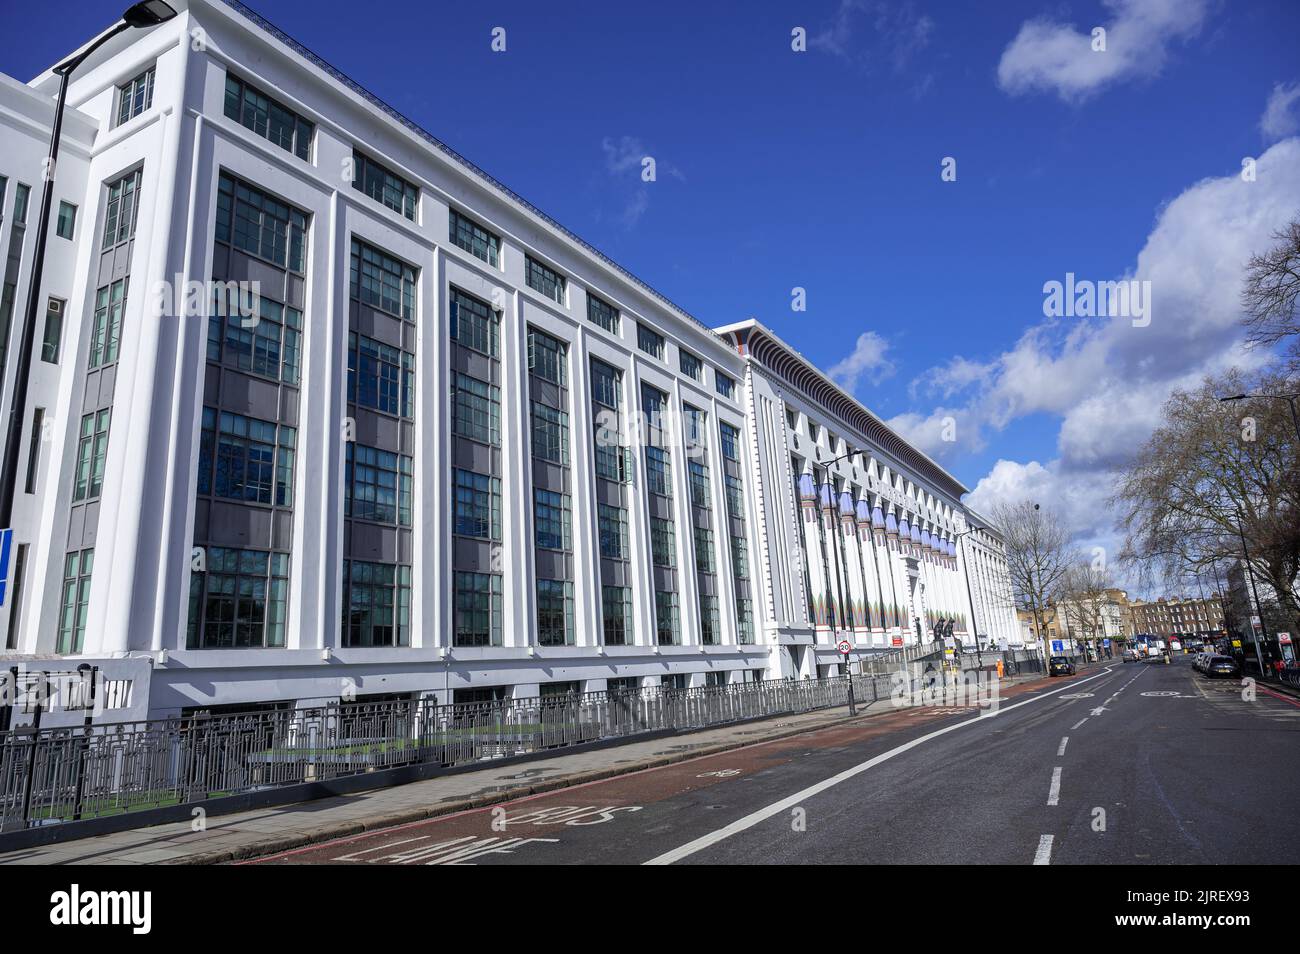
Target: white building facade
{"points": [[329, 413]]}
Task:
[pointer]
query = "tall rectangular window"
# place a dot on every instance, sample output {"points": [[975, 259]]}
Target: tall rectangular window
{"points": [[380, 377], [730, 441], [724, 384], [475, 409], [710, 625], [666, 629], [266, 343], [77, 568], [551, 520], [106, 324], [735, 496], [376, 604], [649, 341], [269, 119], [611, 459], [67, 221], [658, 471], [240, 600], [691, 366], [382, 281], [548, 357], [554, 613], [22, 194], [135, 96], [476, 601], [616, 612], [120, 212], [740, 558], [704, 562], [260, 224], [698, 476], [383, 185], [606, 384], [34, 449], [541, 278], [246, 459], [602, 313], [53, 337], [92, 452], [20, 574], [612, 528], [550, 434], [377, 485], [478, 241], [663, 549], [477, 505], [473, 323], [745, 620]]}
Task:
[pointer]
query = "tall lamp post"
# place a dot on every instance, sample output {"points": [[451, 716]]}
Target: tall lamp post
{"points": [[1289, 398], [147, 13], [979, 657]]}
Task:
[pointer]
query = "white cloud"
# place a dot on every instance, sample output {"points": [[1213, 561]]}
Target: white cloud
{"points": [[624, 158], [867, 358], [1281, 118], [865, 31], [1048, 55]]}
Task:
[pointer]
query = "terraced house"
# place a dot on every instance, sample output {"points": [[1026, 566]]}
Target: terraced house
{"points": [[410, 435]]}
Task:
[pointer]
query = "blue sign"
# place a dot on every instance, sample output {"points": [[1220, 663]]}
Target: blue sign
{"points": [[6, 540], [1058, 646], [1106, 643]]}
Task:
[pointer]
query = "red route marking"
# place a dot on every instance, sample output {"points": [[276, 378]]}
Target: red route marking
{"points": [[633, 788], [1278, 695]]}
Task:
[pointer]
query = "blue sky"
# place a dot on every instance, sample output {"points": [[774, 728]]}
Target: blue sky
{"points": [[822, 170]]}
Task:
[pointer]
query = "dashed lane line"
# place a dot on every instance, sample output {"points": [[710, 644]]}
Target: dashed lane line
{"points": [[1065, 740], [1043, 856], [1054, 792]]}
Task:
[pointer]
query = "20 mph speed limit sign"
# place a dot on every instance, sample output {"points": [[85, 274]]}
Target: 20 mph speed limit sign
{"points": [[845, 647]]}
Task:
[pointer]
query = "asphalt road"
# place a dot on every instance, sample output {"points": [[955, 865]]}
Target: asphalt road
{"points": [[1123, 764]]}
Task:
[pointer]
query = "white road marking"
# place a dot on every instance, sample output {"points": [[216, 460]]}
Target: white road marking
{"points": [[1043, 856], [1054, 793], [793, 801], [1079, 723], [1065, 740]]}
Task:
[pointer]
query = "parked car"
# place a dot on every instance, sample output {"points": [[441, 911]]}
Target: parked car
{"points": [[1221, 666], [1060, 666], [1130, 655]]}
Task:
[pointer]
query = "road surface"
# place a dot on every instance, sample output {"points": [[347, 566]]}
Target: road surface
{"points": [[1142, 763]]}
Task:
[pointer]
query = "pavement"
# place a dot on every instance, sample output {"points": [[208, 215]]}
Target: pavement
{"points": [[259, 832]]}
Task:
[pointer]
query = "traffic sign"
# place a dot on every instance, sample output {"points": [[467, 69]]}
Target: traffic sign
{"points": [[845, 647], [6, 541], [1058, 646]]}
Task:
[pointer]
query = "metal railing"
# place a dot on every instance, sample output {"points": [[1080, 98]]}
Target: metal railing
{"points": [[50, 776]]}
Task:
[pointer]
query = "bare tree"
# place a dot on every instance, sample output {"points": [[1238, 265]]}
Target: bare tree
{"points": [[1084, 600], [1039, 555], [1216, 480], [1271, 292]]}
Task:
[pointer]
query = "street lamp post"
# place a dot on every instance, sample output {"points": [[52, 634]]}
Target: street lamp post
{"points": [[979, 657], [1289, 398], [147, 13]]}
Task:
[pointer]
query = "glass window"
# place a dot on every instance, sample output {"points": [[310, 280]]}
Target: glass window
{"points": [[611, 460], [710, 625], [606, 384], [543, 279], [376, 604], [121, 208], [658, 471], [474, 238], [260, 224], [698, 477], [666, 618], [383, 282], [383, 185], [379, 376], [704, 562], [694, 420], [735, 496], [651, 342], [53, 336], [473, 323], [34, 440], [475, 409], [269, 119], [240, 600], [476, 599], [740, 558], [92, 452], [613, 532], [77, 568], [22, 193], [691, 366], [377, 485], [616, 610], [663, 549], [477, 505], [724, 384], [550, 434], [744, 620], [730, 441], [551, 520], [134, 97], [267, 344], [106, 324], [548, 357], [243, 458], [602, 313], [67, 221], [554, 613]]}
